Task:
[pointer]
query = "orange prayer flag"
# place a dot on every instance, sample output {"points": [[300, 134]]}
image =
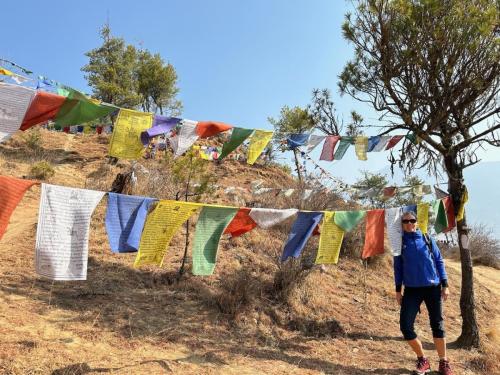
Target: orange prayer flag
{"points": [[11, 192], [374, 236], [206, 129], [44, 107], [241, 223], [450, 213]]}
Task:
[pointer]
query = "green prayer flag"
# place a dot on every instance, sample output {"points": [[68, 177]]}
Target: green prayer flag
{"points": [[78, 109], [237, 137], [348, 220], [209, 228], [344, 144], [412, 138], [441, 222]]}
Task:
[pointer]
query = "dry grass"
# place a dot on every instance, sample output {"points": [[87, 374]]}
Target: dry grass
{"points": [[253, 316]]}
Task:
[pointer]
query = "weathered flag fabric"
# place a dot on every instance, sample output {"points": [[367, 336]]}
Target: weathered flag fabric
{"points": [[62, 237], [302, 229], [14, 103], [125, 218], [11, 192]]}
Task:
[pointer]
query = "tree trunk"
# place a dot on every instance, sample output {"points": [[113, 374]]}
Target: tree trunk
{"points": [[469, 338], [297, 165]]}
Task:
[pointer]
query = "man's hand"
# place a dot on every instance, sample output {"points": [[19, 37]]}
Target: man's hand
{"points": [[399, 298], [445, 292]]}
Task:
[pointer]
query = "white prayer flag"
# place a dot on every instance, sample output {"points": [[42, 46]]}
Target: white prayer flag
{"points": [[268, 217], [63, 231], [394, 229], [313, 141], [186, 138], [14, 102], [384, 139]]}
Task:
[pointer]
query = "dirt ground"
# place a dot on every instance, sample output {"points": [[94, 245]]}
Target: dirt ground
{"points": [[342, 320]]}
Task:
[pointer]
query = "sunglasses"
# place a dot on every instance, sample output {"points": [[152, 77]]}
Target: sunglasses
{"points": [[406, 221]]}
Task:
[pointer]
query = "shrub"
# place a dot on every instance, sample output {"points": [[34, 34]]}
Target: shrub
{"points": [[42, 170], [484, 247]]}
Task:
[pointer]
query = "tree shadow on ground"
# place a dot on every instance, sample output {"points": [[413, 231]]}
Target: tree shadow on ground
{"points": [[52, 155], [136, 303]]}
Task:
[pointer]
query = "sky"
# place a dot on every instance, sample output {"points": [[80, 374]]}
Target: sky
{"points": [[237, 61]]}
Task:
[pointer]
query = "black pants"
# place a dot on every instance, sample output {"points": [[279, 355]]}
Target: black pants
{"points": [[410, 306]]}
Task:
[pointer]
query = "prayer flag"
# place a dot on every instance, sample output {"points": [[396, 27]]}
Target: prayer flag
{"points": [[185, 139], [463, 201], [125, 141], [361, 147], [441, 222], [161, 125], [393, 141], [423, 216], [374, 234], [62, 236], [313, 141], [11, 192], [344, 144], [372, 142], [78, 109], [384, 139], [206, 129], [5, 72], [209, 228], [330, 240], [295, 140], [440, 193], [125, 217], [348, 220], [238, 136], [394, 229], [241, 223], [258, 142], [390, 191], [450, 213], [302, 229], [161, 225], [14, 103], [329, 147], [268, 217]]}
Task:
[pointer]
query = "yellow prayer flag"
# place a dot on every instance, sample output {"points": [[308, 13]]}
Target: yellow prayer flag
{"points": [[87, 129], [360, 147], [5, 72], [463, 201], [423, 216], [258, 142], [160, 227], [126, 138], [329, 241]]}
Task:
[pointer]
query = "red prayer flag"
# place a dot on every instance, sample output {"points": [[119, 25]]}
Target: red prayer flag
{"points": [[374, 234], [393, 141], [241, 223], [11, 192], [44, 107], [389, 191], [206, 129], [450, 213], [329, 147]]}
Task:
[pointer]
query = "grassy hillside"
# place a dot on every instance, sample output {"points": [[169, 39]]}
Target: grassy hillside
{"points": [[253, 316]]}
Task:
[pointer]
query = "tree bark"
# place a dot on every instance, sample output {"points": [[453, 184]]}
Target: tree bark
{"points": [[297, 165], [469, 337]]}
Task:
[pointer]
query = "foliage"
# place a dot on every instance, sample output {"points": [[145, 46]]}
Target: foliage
{"points": [[191, 175], [409, 198], [156, 83], [375, 181], [431, 67], [110, 71], [291, 120], [323, 113], [42, 170], [124, 76], [485, 248]]}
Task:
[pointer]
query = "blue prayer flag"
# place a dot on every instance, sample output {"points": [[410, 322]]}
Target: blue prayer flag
{"points": [[302, 229], [125, 218]]}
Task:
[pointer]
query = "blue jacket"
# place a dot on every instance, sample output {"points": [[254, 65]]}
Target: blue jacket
{"points": [[416, 267]]}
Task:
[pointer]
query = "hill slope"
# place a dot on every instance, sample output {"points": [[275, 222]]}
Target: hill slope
{"points": [[245, 319]]}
